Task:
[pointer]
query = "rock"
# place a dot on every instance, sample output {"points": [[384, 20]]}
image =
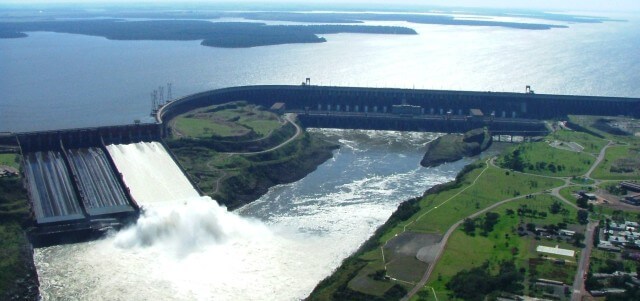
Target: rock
{"points": [[453, 147]]}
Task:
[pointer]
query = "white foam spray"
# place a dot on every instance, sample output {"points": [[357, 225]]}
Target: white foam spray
{"points": [[187, 247]]}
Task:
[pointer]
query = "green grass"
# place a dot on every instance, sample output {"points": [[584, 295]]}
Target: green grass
{"points": [[573, 163], [10, 160], [465, 252], [226, 120], [591, 144], [478, 196], [613, 154], [203, 128], [13, 243]]}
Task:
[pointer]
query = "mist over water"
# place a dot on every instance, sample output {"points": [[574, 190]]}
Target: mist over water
{"points": [[277, 248]]}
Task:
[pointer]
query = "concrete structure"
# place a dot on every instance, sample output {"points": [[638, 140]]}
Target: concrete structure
{"points": [[318, 106], [555, 251], [567, 232], [73, 185]]}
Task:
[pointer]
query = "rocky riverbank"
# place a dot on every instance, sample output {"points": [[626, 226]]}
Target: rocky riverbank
{"points": [[453, 147]]}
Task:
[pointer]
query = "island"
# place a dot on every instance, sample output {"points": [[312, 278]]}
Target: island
{"points": [[453, 147]]}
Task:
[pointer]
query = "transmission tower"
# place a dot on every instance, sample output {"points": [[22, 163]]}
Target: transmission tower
{"points": [[154, 101], [161, 95], [169, 94]]}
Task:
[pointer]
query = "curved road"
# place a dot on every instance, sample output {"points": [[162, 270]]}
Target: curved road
{"points": [[288, 118]]}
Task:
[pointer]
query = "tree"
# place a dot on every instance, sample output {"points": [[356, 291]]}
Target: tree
{"points": [[555, 207], [577, 239], [583, 217], [582, 202], [490, 220], [469, 226]]}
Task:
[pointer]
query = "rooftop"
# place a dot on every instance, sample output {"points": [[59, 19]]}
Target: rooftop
{"points": [[556, 251]]}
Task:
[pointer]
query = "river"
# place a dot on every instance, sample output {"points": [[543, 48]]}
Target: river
{"points": [[276, 248]]}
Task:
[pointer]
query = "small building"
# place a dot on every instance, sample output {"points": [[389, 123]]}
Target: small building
{"points": [[618, 240], [631, 224], [617, 227], [278, 107], [587, 195], [630, 186], [556, 251], [608, 246], [633, 200], [565, 232]]}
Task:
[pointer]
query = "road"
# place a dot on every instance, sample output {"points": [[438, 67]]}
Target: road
{"points": [[290, 118], [598, 160], [583, 266]]}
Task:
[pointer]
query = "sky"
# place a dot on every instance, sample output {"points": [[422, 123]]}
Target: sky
{"points": [[564, 5]]}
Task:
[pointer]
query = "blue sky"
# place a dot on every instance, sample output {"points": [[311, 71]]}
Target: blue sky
{"points": [[570, 5]]}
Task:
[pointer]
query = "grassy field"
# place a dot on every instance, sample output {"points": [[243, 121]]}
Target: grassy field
{"points": [[9, 159], [450, 209], [15, 259], [617, 157], [228, 120], [591, 144], [503, 243], [539, 157]]}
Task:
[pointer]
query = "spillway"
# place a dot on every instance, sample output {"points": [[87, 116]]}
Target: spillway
{"points": [[159, 182], [51, 189], [102, 193]]}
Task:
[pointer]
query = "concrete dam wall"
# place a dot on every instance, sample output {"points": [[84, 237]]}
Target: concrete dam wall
{"points": [[335, 102], [74, 187]]}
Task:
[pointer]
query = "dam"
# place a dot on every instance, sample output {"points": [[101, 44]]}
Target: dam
{"points": [[83, 180], [75, 189]]}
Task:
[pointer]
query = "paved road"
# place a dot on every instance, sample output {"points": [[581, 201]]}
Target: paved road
{"points": [[583, 266], [599, 159], [288, 118]]}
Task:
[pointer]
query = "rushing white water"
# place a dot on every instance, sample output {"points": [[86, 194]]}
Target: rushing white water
{"points": [[277, 248], [150, 173]]}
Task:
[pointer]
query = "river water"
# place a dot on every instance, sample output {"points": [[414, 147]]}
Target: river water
{"points": [[277, 248]]}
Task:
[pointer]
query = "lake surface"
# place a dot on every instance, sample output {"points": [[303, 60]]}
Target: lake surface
{"points": [[53, 81]]}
